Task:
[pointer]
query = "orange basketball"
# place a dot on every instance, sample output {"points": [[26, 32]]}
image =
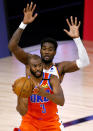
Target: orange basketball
{"points": [[23, 87]]}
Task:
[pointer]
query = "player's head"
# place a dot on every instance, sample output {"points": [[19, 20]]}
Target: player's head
{"points": [[36, 66], [48, 49]]}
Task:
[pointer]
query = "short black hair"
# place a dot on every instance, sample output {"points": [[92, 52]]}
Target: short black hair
{"points": [[50, 40], [34, 56]]}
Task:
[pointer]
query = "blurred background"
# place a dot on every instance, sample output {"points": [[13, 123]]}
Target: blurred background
{"points": [[50, 22]]}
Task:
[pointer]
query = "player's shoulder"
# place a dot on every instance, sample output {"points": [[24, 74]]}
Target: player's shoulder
{"points": [[59, 64], [60, 67]]}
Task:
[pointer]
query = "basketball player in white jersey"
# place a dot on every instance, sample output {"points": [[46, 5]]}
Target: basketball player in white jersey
{"points": [[49, 46]]}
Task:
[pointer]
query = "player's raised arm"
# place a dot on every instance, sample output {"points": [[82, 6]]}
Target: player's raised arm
{"points": [[13, 43], [83, 59]]}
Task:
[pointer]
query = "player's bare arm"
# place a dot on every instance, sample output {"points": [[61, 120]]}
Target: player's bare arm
{"points": [[13, 43], [58, 96], [22, 105], [71, 66]]}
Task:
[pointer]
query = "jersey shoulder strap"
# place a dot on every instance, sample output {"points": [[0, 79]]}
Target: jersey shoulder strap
{"points": [[46, 76]]}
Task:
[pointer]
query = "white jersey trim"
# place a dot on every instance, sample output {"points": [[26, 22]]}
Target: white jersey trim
{"points": [[53, 70]]}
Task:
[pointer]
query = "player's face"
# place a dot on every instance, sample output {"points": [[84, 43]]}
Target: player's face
{"points": [[47, 52], [36, 67]]}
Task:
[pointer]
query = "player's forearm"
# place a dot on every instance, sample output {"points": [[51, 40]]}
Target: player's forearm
{"points": [[82, 53], [13, 43], [22, 105], [58, 99], [22, 110]]}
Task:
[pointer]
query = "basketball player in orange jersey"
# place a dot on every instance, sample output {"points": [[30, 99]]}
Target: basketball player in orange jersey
{"points": [[49, 46], [39, 111]]}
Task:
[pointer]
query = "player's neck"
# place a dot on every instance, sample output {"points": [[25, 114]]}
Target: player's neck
{"points": [[37, 80], [47, 66]]}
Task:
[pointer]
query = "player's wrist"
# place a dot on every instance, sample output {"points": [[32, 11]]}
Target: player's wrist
{"points": [[22, 25], [78, 41], [77, 38]]}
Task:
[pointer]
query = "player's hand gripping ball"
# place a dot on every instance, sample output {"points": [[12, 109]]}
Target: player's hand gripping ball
{"points": [[23, 87]]}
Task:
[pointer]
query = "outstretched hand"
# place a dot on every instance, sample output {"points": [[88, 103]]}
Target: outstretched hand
{"points": [[73, 28], [28, 13]]}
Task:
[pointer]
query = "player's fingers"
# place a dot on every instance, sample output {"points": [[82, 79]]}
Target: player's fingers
{"points": [[68, 22], [66, 31], [24, 10], [75, 20], [79, 24], [33, 8], [27, 7], [35, 15], [71, 18], [35, 90]]}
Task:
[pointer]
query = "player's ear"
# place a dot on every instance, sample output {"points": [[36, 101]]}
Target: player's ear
{"points": [[54, 52]]}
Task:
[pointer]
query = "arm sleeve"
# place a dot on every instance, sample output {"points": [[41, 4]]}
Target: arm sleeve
{"points": [[83, 60]]}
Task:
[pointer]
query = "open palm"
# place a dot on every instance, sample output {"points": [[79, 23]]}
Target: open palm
{"points": [[73, 28], [28, 14]]}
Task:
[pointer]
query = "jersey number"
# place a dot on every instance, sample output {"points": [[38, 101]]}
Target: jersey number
{"points": [[43, 108]]}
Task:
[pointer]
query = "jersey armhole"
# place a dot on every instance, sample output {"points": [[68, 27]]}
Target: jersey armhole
{"points": [[57, 70]]}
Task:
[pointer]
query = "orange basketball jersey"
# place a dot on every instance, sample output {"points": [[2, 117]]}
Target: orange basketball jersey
{"points": [[42, 112], [40, 107]]}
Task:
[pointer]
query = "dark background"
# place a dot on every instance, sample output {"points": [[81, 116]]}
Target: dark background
{"points": [[50, 22]]}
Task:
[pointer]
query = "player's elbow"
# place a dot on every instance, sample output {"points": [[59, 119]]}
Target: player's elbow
{"points": [[87, 62], [11, 46], [83, 63]]}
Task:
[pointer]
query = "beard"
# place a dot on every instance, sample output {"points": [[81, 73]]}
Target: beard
{"points": [[34, 74], [46, 61]]}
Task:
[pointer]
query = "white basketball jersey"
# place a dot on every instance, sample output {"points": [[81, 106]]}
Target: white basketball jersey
{"points": [[53, 70]]}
